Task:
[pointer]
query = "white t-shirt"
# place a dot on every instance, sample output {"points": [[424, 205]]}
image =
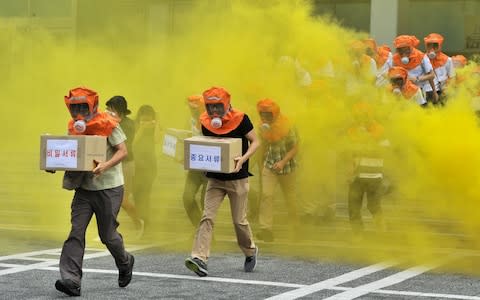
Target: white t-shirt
{"points": [[382, 72], [423, 68], [442, 74], [418, 97]]}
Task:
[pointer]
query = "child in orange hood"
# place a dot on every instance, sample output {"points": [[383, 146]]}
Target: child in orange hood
{"points": [[400, 85]]}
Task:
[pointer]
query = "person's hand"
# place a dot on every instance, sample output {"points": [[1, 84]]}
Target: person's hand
{"points": [[239, 163], [51, 171], [435, 97], [279, 165], [100, 167]]}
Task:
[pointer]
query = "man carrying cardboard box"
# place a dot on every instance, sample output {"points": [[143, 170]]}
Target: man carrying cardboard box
{"points": [[221, 120], [99, 192]]}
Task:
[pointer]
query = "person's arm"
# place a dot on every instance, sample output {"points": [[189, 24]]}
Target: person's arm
{"points": [[279, 165], [120, 153], [254, 144]]}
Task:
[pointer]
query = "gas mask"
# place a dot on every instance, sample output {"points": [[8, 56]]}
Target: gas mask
{"points": [[267, 119], [265, 127], [397, 91], [216, 111], [80, 113], [405, 60], [432, 54], [80, 126], [397, 84]]}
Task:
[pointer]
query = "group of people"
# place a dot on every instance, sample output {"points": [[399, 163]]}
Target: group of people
{"points": [[408, 73]]}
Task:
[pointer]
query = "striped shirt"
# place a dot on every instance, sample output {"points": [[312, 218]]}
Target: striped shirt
{"points": [[276, 151]]}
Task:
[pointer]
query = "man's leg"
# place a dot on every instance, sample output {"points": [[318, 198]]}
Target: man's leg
{"points": [[213, 199], [192, 184], [355, 197], [288, 185], [265, 215], [237, 191], [106, 205], [374, 197], [71, 259]]}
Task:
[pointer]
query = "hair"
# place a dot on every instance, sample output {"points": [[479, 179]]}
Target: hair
{"points": [[119, 103], [145, 110]]}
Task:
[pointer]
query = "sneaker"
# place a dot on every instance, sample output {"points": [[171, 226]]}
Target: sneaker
{"points": [[197, 265], [68, 287], [251, 262], [125, 276]]}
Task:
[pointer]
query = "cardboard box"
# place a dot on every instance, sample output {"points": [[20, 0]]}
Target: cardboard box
{"points": [[71, 152], [211, 154], [173, 142]]}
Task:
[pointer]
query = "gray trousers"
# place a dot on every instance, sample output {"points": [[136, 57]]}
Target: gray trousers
{"points": [[105, 204]]}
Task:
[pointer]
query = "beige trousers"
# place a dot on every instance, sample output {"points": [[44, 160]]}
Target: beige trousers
{"points": [[288, 185], [237, 192]]}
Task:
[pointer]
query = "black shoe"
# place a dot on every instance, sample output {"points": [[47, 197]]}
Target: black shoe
{"points": [[251, 262], [265, 235], [125, 276], [197, 265], [68, 287]]}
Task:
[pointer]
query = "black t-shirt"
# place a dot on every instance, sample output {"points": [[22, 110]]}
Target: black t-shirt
{"points": [[128, 127], [240, 132]]}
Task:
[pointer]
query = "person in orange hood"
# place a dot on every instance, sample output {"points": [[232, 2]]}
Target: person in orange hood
{"points": [[222, 120], [366, 140], [279, 148], [442, 66], [400, 85], [99, 192], [383, 59], [418, 65], [459, 61]]}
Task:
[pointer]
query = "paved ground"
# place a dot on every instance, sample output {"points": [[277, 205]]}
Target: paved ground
{"points": [[322, 264], [160, 274]]}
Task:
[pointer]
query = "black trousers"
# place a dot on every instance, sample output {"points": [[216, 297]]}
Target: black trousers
{"points": [[360, 186], [105, 204]]}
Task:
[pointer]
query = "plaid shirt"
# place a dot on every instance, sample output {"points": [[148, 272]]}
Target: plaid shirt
{"points": [[276, 151]]}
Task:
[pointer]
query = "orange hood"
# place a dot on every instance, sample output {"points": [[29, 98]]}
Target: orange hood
{"points": [[408, 89], [230, 120], [280, 126], [97, 123], [459, 60]]}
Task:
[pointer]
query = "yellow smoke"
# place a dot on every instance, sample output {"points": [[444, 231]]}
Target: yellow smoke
{"points": [[253, 51]]}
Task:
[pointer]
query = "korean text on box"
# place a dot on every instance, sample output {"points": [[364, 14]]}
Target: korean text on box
{"points": [[211, 154], [71, 152]]}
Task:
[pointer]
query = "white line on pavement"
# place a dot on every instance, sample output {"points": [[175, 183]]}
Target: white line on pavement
{"points": [[277, 284], [50, 262], [309, 289], [384, 282], [173, 276], [29, 254]]}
